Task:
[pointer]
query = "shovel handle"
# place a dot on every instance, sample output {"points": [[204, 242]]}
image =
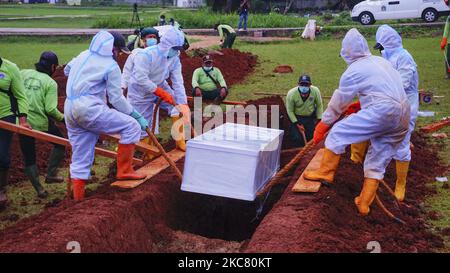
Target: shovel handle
{"points": [[163, 153]]}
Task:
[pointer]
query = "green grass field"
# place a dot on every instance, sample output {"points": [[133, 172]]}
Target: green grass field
{"points": [[319, 58]]}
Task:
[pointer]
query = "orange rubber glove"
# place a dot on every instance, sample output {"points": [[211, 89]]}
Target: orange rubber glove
{"points": [[353, 108], [443, 43], [320, 131], [164, 95]]}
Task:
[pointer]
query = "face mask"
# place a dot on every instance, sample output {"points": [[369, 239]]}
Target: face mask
{"points": [[303, 89], [172, 53], [207, 68], [151, 42]]}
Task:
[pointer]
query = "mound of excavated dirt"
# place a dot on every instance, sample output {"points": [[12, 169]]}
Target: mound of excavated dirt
{"points": [[283, 69], [328, 221]]}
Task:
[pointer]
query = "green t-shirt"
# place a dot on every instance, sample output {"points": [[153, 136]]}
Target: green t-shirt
{"points": [[10, 79], [297, 107], [201, 80], [42, 93]]}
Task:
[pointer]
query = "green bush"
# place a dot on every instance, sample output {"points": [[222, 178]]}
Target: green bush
{"points": [[204, 18]]}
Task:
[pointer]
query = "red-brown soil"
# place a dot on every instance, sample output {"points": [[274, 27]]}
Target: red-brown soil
{"points": [[283, 69], [328, 221]]}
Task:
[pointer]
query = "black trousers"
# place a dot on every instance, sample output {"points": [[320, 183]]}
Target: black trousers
{"points": [[210, 95], [309, 122], [229, 40], [28, 144], [5, 144]]}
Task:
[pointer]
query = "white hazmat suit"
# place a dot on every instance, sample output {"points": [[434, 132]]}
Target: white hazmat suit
{"points": [[150, 70], [93, 76], [404, 63], [385, 111]]}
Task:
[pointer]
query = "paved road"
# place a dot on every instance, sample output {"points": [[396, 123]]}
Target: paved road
{"points": [[268, 32]]}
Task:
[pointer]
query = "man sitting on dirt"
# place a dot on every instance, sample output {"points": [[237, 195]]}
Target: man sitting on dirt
{"points": [[383, 119], [208, 82], [305, 108], [42, 92], [13, 104], [93, 75], [227, 35]]}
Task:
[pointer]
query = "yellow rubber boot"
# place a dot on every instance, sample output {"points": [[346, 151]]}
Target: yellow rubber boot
{"points": [[150, 156], [367, 195], [358, 152], [179, 134], [400, 185], [328, 167]]}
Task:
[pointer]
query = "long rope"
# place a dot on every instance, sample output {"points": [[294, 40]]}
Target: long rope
{"points": [[279, 175]]}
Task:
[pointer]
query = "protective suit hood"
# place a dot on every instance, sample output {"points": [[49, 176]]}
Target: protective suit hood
{"points": [[388, 38], [170, 37], [354, 47], [102, 44]]}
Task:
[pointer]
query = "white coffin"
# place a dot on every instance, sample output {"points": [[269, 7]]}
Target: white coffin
{"points": [[232, 160]]}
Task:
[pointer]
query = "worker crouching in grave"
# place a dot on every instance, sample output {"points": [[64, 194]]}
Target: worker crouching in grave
{"points": [[208, 82], [305, 108], [42, 93], [147, 83], [93, 75], [13, 105], [227, 35], [445, 43], [383, 119]]}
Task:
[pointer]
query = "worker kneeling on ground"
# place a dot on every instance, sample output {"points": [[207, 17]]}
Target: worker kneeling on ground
{"points": [[208, 82], [13, 104], [42, 93], [93, 75], [147, 83], [383, 118], [305, 108]]}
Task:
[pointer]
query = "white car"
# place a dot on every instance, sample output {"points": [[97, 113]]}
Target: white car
{"points": [[367, 12]]}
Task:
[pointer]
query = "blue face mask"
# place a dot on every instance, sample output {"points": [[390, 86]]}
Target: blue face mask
{"points": [[151, 41], [303, 89], [172, 53], [207, 68]]}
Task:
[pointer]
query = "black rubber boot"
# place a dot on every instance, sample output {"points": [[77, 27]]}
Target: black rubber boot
{"points": [[3, 183], [56, 157], [33, 175]]}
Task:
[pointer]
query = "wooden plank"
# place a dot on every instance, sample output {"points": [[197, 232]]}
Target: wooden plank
{"points": [[55, 139], [304, 185], [225, 101], [140, 146], [150, 170]]}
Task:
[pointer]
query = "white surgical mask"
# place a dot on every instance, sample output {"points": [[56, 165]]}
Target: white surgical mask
{"points": [[207, 68]]}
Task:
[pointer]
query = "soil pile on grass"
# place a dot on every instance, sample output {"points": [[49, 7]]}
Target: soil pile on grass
{"points": [[234, 65], [283, 69], [328, 221]]}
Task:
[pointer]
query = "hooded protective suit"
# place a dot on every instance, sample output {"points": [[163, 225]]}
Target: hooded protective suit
{"points": [[150, 70], [384, 116], [93, 75], [404, 63]]}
